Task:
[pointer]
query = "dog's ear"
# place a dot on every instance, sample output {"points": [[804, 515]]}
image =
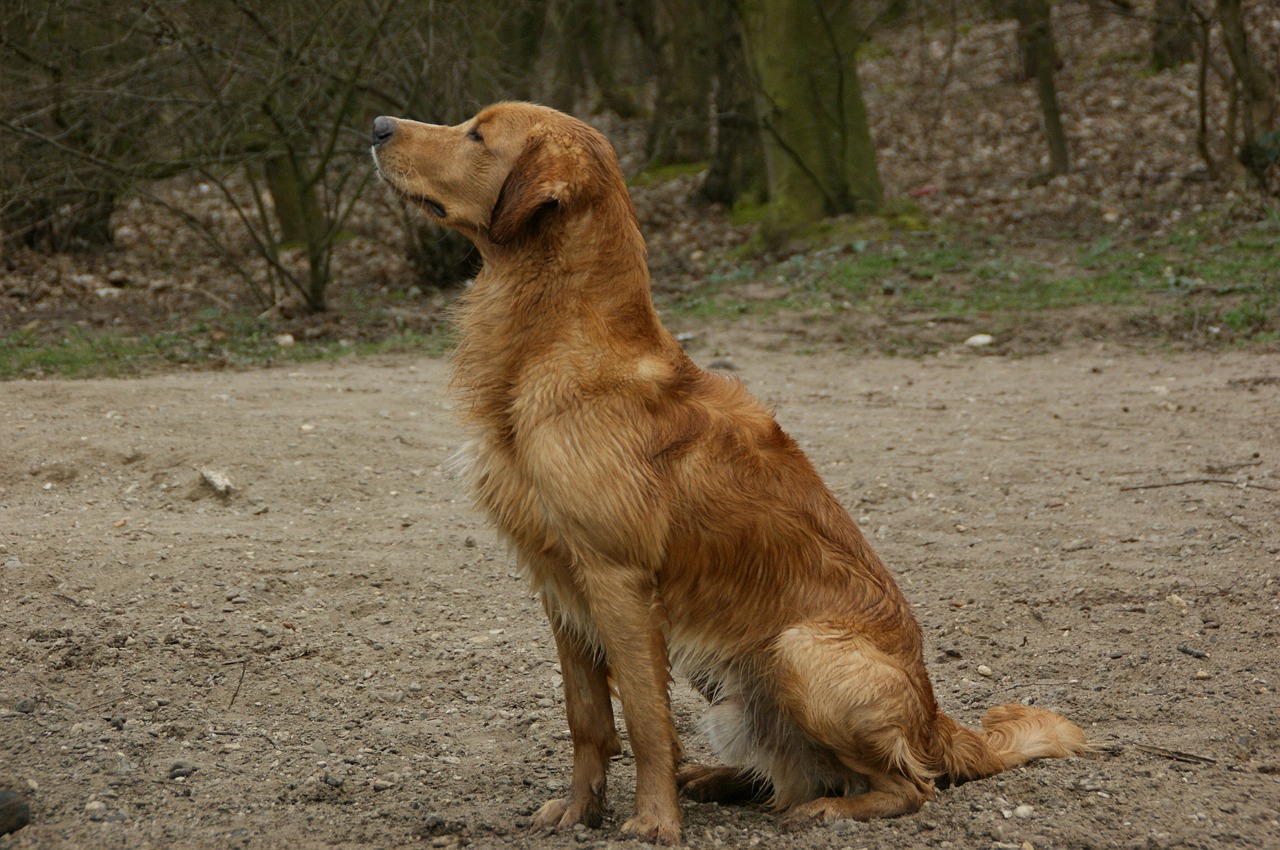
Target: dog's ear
{"points": [[531, 189]]}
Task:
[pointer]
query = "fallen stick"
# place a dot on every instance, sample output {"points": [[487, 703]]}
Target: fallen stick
{"points": [[1243, 485], [1175, 755], [243, 662]]}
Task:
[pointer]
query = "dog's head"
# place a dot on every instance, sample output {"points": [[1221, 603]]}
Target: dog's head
{"points": [[501, 176]]}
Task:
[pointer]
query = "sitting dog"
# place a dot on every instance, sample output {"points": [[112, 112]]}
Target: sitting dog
{"points": [[665, 519]]}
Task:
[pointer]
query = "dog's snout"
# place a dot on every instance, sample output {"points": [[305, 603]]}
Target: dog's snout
{"points": [[383, 129]]}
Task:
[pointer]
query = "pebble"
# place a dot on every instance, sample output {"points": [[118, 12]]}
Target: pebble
{"points": [[13, 564], [26, 705], [15, 812], [95, 809], [180, 768], [984, 670], [1024, 811], [979, 340], [320, 748]]}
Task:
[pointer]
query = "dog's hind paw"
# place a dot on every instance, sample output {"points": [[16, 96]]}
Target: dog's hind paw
{"points": [[653, 829]]}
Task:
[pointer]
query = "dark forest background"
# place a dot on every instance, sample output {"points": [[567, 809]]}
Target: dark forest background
{"points": [[181, 165]]}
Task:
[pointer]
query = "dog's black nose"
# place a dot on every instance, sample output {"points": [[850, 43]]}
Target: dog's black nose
{"points": [[383, 129]]}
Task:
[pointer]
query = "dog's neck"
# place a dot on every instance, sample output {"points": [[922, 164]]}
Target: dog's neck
{"points": [[577, 292]]}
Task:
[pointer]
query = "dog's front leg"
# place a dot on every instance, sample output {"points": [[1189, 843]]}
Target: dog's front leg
{"points": [[591, 728], [628, 618]]}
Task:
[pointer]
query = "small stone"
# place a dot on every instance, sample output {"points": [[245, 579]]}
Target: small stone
{"points": [[1077, 545], [320, 748], [13, 564], [984, 670], [1024, 812], [15, 812], [470, 542], [979, 340], [218, 480], [26, 705], [1201, 675], [180, 769], [96, 810], [285, 340], [386, 783]]}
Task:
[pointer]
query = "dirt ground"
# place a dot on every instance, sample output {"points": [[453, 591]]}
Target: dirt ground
{"points": [[339, 652]]}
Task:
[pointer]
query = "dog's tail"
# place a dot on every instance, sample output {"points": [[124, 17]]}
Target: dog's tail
{"points": [[1012, 735]]}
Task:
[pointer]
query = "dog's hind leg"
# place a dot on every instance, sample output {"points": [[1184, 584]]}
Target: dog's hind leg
{"points": [[889, 797], [727, 785], [870, 711], [591, 728]]}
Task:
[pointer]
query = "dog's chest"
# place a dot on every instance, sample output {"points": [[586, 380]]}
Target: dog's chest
{"points": [[574, 487]]}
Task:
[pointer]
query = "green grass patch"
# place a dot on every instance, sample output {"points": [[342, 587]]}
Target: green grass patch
{"points": [[663, 173], [78, 353], [1228, 287]]}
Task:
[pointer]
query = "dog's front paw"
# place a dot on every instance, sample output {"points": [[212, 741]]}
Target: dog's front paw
{"points": [[652, 828], [565, 813]]}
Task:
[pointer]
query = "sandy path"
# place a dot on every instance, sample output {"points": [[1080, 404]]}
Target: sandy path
{"points": [[341, 654]]}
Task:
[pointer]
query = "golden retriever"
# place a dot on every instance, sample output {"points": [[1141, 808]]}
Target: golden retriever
{"points": [[666, 520]]}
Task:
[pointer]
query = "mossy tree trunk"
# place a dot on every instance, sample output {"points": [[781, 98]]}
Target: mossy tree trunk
{"points": [[819, 154]]}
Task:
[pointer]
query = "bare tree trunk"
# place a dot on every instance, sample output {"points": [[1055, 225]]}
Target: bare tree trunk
{"points": [[737, 162], [586, 40], [502, 48], [1036, 33], [680, 129], [298, 212], [1259, 89], [1172, 34]]}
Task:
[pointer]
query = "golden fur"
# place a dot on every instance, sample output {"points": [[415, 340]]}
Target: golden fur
{"points": [[666, 520]]}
